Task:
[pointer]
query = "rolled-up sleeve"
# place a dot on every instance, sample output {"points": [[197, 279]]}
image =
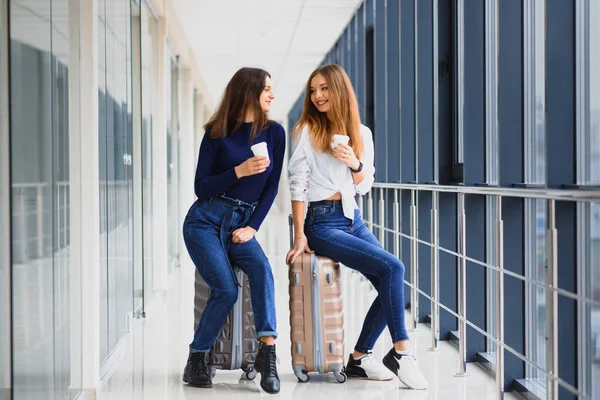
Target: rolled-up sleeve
{"points": [[298, 167], [368, 160]]}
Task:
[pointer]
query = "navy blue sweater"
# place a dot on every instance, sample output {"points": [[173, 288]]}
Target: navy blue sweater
{"points": [[218, 158]]}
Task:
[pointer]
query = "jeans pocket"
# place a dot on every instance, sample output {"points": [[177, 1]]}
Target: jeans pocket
{"points": [[319, 212]]}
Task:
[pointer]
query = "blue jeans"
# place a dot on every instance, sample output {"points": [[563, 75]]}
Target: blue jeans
{"points": [[207, 233], [331, 234]]}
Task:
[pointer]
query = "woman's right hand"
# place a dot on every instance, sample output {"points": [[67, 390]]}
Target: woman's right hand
{"points": [[300, 246], [252, 166]]}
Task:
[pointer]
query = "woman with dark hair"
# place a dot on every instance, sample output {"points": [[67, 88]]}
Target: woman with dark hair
{"points": [[235, 191], [332, 161]]}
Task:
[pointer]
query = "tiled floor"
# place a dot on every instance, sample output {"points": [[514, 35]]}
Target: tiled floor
{"points": [[157, 350]]}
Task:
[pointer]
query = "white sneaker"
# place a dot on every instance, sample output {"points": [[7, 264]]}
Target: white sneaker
{"points": [[367, 368], [406, 368]]}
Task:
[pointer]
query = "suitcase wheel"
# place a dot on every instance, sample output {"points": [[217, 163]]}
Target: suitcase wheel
{"points": [[250, 374], [340, 376], [302, 376], [213, 371]]}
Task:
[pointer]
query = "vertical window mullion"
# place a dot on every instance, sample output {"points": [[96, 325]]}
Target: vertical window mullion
{"points": [[5, 218], [492, 148], [534, 174], [436, 93], [582, 127], [458, 89], [459, 31], [527, 93], [416, 80], [588, 215]]}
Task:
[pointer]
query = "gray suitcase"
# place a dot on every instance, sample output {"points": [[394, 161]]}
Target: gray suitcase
{"points": [[236, 346]]}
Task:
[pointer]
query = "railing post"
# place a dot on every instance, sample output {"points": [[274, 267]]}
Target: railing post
{"points": [[499, 301], [21, 214], [435, 288], [370, 210], [39, 202], [66, 211], [361, 206], [552, 303], [462, 288], [396, 225], [414, 269], [382, 217]]}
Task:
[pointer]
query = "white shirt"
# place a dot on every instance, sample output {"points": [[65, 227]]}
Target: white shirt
{"points": [[317, 176]]}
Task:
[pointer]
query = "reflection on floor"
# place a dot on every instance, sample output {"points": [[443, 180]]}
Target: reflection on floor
{"points": [[157, 350]]}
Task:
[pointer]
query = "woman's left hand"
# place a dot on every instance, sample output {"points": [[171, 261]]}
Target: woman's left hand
{"points": [[243, 235], [345, 154]]}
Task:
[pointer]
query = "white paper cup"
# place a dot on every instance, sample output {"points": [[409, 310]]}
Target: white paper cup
{"points": [[337, 139], [260, 150]]}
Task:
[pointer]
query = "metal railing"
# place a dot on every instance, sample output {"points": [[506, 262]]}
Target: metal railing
{"points": [[394, 191]]}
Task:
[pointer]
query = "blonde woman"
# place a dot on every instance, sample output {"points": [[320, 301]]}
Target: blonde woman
{"points": [[326, 173]]}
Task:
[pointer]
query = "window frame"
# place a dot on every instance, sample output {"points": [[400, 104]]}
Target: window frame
{"points": [[534, 139], [585, 273], [5, 244], [491, 159]]}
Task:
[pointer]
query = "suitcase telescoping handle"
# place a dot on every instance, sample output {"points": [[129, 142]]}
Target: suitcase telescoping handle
{"points": [[291, 221]]}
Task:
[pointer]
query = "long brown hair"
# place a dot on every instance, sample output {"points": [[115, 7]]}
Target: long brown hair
{"points": [[343, 116], [241, 95]]}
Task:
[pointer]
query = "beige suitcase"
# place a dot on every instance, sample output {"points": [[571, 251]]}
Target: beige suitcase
{"points": [[316, 317]]}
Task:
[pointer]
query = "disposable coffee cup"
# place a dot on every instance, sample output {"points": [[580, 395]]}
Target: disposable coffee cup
{"points": [[337, 139], [260, 150]]}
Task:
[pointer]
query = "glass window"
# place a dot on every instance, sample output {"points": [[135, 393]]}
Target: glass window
{"points": [[588, 174], [534, 57], [4, 214], [369, 119], [174, 225], [41, 110], [459, 91], [137, 212], [116, 290], [591, 213], [149, 67], [535, 262], [491, 275], [198, 132], [593, 50], [102, 126], [492, 151]]}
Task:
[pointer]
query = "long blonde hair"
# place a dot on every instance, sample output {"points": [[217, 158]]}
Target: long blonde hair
{"points": [[343, 116]]}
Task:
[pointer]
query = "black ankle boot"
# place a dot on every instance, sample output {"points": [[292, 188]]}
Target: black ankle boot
{"points": [[196, 371], [266, 365]]}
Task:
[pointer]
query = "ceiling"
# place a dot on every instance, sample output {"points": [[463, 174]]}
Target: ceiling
{"points": [[288, 38]]}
